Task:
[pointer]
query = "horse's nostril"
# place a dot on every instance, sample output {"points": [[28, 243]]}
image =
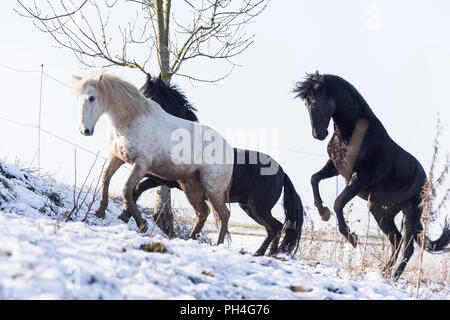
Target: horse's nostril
{"points": [[87, 131]]}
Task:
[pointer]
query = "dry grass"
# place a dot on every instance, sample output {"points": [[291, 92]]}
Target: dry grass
{"points": [[372, 253], [435, 195]]}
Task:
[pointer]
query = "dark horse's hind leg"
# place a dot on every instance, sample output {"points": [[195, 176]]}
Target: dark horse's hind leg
{"points": [[350, 191], [385, 219], [272, 226], [249, 212], [143, 185], [327, 171], [411, 226], [148, 183]]}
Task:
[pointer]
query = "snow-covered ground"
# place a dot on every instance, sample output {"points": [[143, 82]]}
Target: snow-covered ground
{"points": [[44, 255]]}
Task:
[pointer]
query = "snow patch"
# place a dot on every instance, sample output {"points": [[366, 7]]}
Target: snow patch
{"points": [[45, 256]]}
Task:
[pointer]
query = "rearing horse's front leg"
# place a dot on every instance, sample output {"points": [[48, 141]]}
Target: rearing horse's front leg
{"points": [[328, 171], [350, 191], [113, 165]]}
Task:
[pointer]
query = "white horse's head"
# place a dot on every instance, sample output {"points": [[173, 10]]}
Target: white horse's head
{"points": [[91, 103]]}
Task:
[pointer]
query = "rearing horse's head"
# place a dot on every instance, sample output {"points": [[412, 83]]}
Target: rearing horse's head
{"points": [[321, 105]]}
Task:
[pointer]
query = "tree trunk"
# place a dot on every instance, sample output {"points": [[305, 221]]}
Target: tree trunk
{"points": [[162, 38], [163, 210], [163, 207]]}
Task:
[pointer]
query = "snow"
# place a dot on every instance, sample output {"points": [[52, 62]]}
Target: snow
{"points": [[43, 256]]}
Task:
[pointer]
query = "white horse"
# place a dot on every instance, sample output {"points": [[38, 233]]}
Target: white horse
{"points": [[140, 132]]}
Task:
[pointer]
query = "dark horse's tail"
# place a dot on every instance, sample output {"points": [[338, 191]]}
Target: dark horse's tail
{"points": [[438, 245], [293, 210]]}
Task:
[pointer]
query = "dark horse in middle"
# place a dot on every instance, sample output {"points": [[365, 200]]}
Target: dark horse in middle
{"points": [[256, 193], [375, 167]]}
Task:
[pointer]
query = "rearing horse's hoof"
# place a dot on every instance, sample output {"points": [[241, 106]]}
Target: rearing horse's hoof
{"points": [[386, 272], [396, 275], [258, 253], [143, 227], [124, 216], [325, 213], [273, 252], [353, 238], [100, 214], [194, 236]]}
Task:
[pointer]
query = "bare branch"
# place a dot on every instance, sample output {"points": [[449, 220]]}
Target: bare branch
{"points": [[215, 32], [207, 80], [34, 15], [84, 30]]}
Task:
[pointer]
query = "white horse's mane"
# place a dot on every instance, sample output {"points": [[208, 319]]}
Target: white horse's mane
{"points": [[118, 93]]}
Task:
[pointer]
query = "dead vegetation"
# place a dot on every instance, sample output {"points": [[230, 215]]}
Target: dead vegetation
{"points": [[435, 195]]}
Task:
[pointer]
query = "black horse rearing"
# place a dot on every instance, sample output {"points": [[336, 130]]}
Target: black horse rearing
{"points": [[375, 167], [256, 193]]}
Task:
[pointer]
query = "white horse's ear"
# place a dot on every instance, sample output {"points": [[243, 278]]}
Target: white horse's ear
{"points": [[76, 78], [100, 77]]}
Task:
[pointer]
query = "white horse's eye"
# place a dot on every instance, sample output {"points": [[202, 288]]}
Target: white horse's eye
{"points": [[91, 98]]}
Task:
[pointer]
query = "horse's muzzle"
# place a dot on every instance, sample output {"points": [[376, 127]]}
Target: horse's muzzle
{"points": [[86, 132], [320, 136]]}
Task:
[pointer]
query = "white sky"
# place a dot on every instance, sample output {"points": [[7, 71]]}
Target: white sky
{"points": [[395, 53]]}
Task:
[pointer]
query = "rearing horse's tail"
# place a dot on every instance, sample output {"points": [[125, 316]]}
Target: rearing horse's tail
{"points": [[438, 245], [293, 210]]}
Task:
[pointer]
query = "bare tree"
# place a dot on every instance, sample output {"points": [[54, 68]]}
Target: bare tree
{"points": [[111, 32], [131, 33]]}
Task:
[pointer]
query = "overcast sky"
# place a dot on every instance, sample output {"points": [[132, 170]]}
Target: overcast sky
{"points": [[395, 53]]}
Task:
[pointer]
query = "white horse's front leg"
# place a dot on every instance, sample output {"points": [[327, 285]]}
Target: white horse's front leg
{"points": [[113, 165], [129, 204]]}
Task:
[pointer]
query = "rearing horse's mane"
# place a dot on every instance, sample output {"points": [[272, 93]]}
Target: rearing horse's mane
{"points": [[175, 97], [312, 82], [118, 93], [181, 98]]}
